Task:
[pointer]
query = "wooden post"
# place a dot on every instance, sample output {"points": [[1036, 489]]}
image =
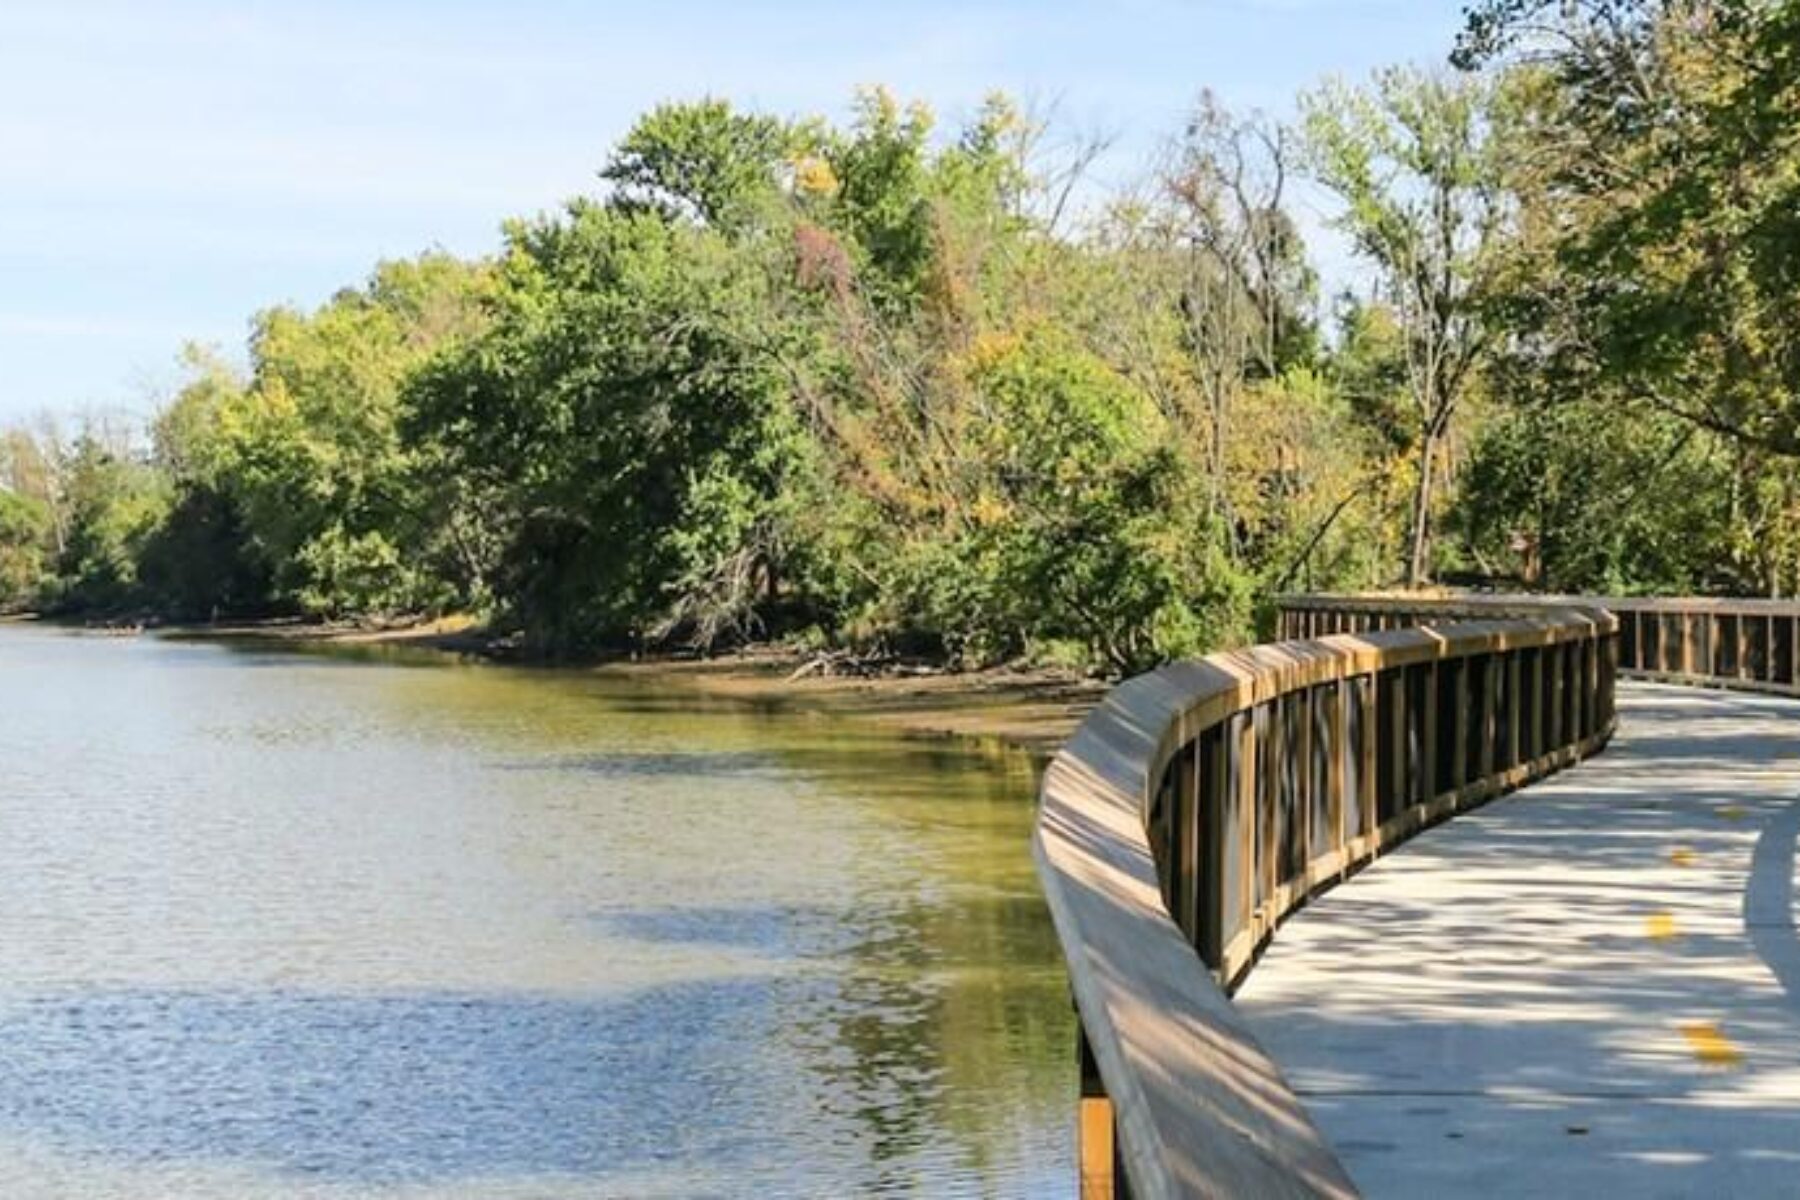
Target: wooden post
{"points": [[1458, 703], [1590, 685], [1534, 706], [1793, 652], [1367, 778], [1336, 759], [1186, 841], [1211, 812], [1428, 722], [1248, 770], [1553, 722], [1514, 672], [1489, 734], [1300, 754], [1398, 701], [1269, 750], [1096, 1155]]}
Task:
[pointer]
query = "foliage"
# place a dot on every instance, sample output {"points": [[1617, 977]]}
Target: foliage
{"points": [[1411, 160], [1656, 169], [115, 504], [884, 386], [308, 457], [23, 525], [618, 419]]}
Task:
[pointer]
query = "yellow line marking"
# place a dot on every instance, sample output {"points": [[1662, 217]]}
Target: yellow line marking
{"points": [[1711, 1046], [1732, 812], [1660, 926], [1681, 856]]}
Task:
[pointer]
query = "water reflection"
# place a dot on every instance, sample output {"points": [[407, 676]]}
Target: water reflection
{"points": [[271, 924]]}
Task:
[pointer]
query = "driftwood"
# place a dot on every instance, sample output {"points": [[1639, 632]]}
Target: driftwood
{"points": [[858, 665]]}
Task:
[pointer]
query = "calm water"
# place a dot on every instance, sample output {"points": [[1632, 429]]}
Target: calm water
{"points": [[275, 924]]}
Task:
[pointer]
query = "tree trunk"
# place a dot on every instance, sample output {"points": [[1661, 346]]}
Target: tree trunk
{"points": [[1417, 574]]}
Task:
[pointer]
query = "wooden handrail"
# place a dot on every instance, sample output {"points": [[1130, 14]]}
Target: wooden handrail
{"points": [[1747, 644], [1202, 803]]}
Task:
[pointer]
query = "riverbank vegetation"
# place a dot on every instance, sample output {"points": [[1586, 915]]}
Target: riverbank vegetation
{"points": [[904, 389]]}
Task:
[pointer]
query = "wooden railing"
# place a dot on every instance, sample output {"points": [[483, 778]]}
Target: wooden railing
{"points": [[1750, 644], [1200, 804]]}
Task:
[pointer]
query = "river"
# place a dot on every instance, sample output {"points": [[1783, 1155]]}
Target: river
{"points": [[285, 924]]}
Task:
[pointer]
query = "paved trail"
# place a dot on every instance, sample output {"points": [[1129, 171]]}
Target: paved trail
{"points": [[1590, 988]]}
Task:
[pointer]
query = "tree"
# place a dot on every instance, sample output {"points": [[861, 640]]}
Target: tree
{"points": [[1659, 179], [310, 450], [620, 418], [701, 161], [1245, 285], [115, 502], [1412, 162], [24, 529]]}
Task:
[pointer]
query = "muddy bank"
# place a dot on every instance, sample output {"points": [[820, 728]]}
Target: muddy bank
{"points": [[1036, 709]]}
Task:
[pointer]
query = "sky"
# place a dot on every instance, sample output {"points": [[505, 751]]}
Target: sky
{"points": [[169, 167]]}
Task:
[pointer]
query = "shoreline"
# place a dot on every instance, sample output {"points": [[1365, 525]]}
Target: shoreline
{"points": [[1032, 709]]}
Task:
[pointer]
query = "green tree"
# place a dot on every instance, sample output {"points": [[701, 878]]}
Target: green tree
{"points": [[1655, 179], [115, 502], [24, 531], [311, 453], [1664, 175], [1413, 164], [700, 161], [623, 420]]}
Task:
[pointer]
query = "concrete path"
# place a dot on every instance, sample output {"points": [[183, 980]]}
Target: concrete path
{"points": [[1590, 988]]}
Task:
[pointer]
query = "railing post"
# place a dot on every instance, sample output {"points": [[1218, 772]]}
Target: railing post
{"points": [[1337, 759], [1395, 702], [1794, 652], [1213, 801], [1514, 672], [1368, 811], [1489, 733], [1268, 805], [1572, 693], [1554, 659], [1457, 703], [1300, 754], [1097, 1156], [1603, 648], [1244, 729], [1534, 706], [1610, 684], [1186, 836], [1429, 716]]}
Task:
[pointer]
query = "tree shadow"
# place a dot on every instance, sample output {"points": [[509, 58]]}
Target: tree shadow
{"points": [[1587, 985]]}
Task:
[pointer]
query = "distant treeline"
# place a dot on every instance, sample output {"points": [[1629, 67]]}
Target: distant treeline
{"points": [[883, 387]]}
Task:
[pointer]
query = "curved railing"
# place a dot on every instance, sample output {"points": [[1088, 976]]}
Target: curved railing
{"points": [[1747, 644], [1200, 804]]}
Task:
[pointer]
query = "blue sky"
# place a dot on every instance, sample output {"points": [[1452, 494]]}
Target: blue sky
{"points": [[168, 167]]}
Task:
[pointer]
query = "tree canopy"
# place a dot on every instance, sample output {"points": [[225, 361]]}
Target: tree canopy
{"points": [[907, 389]]}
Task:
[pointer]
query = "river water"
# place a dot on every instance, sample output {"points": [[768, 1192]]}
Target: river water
{"points": [[276, 924]]}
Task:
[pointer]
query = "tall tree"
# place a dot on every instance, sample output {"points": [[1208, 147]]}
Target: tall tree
{"points": [[1413, 164], [312, 450], [1245, 283], [1660, 181]]}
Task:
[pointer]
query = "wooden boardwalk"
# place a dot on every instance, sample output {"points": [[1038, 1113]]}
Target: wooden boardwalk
{"points": [[1589, 988]]}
